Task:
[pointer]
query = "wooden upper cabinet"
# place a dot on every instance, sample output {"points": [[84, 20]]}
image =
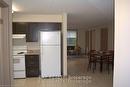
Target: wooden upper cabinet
{"points": [[20, 27], [35, 28], [49, 26], [32, 32], [31, 29]]}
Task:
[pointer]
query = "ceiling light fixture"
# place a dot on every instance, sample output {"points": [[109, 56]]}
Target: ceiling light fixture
{"points": [[14, 9]]}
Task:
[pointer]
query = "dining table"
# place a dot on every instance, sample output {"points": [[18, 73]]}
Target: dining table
{"points": [[101, 56]]}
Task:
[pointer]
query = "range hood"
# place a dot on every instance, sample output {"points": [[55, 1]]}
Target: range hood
{"points": [[19, 36]]}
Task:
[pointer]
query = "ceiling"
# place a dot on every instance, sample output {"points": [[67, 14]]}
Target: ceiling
{"points": [[81, 13]]}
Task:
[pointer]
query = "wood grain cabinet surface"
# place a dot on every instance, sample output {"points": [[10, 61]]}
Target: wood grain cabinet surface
{"points": [[32, 65], [32, 29], [20, 27]]}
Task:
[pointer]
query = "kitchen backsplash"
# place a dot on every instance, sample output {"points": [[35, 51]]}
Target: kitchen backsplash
{"points": [[33, 46]]}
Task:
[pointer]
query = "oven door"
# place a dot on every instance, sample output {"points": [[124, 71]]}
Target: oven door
{"points": [[19, 62]]}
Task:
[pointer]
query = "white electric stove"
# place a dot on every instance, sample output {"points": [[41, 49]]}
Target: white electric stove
{"points": [[19, 51]]}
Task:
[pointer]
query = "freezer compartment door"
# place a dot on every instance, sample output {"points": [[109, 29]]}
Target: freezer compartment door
{"points": [[50, 38], [50, 61]]}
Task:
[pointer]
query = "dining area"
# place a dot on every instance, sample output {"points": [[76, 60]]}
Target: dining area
{"points": [[100, 61]]}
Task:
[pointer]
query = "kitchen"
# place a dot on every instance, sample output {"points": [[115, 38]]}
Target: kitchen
{"points": [[29, 40]]}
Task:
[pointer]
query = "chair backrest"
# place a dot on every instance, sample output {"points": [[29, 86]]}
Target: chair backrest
{"points": [[109, 55], [92, 55], [91, 51]]}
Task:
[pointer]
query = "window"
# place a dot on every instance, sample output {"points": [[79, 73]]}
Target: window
{"points": [[71, 38]]}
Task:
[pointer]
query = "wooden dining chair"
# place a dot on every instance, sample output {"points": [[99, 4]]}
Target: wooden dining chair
{"points": [[109, 60], [92, 60]]}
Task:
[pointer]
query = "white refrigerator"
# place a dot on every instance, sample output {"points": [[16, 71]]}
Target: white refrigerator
{"points": [[50, 50]]}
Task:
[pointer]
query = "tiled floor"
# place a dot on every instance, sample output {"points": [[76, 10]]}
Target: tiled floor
{"points": [[78, 66], [78, 77]]}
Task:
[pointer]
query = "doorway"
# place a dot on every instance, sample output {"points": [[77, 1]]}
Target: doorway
{"points": [[5, 45]]}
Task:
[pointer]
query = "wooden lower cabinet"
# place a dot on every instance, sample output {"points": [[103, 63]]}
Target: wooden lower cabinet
{"points": [[32, 65]]}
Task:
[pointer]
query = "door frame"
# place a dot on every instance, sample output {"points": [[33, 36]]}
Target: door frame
{"points": [[6, 43]]}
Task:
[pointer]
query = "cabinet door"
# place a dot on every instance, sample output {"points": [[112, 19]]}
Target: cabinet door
{"points": [[20, 27], [34, 28], [49, 26], [32, 60], [32, 65], [32, 32]]}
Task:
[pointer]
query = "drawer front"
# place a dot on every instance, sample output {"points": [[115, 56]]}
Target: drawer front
{"points": [[32, 60], [19, 74]]}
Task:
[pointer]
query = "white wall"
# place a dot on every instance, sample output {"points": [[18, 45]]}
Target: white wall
{"points": [[7, 1], [5, 44], [1, 75], [33, 46], [97, 39], [110, 37], [17, 17], [96, 45], [64, 32], [0, 13], [81, 38], [93, 39], [122, 44]]}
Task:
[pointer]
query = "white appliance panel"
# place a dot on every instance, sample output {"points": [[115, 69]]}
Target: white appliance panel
{"points": [[50, 61], [19, 62], [19, 51], [20, 47], [50, 38], [19, 74]]}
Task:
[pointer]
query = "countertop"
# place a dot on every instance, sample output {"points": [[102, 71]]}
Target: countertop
{"points": [[33, 52]]}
